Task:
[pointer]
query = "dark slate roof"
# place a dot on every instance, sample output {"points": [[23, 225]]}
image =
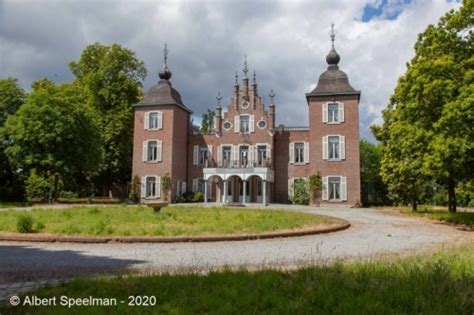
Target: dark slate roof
{"points": [[163, 94], [333, 81]]}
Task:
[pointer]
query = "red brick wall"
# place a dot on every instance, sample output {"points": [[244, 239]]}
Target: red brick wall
{"points": [[350, 167]]}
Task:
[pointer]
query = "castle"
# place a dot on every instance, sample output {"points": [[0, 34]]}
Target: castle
{"points": [[247, 158]]}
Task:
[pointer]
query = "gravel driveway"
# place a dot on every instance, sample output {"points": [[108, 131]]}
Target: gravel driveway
{"points": [[372, 233]]}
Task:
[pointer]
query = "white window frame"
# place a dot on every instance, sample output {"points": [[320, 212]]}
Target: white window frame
{"points": [[342, 188], [159, 151], [157, 194], [159, 120], [265, 124], [325, 113], [342, 148], [225, 122], [240, 124]]}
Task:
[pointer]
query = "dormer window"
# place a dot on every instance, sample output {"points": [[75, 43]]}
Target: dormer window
{"points": [[244, 105]]}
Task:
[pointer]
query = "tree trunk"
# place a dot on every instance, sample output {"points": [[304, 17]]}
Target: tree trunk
{"points": [[414, 203], [451, 195]]}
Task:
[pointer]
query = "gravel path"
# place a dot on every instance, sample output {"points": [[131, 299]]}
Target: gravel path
{"points": [[372, 233]]}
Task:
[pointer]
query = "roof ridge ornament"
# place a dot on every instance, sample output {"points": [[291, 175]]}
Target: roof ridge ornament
{"points": [[333, 57], [272, 95], [332, 34], [245, 69], [254, 77], [219, 98], [236, 78]]}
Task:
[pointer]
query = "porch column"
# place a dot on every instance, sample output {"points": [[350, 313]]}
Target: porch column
{"points": [[225, 191], [264, 191], [205, 191], [244, 182]]}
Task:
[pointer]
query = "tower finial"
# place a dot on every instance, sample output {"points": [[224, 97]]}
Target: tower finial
{"points": [[245, 68], [254, 77], [165, 73], [332, 33], [272, 95], [219, 98], [236, 78]]}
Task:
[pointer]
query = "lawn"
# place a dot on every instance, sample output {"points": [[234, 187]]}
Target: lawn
{"points": [[437, 213], [441, 283], [171, 221]]}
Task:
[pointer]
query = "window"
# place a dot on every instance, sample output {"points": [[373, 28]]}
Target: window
{"points": [[151, 187], [333, 148], [262, 124], [244, 155], [203, 154], [226, 155], [334, 188], [153, 122], [261, 155], [299, 152], [245, 105], [200, 185], [227, 125], [244, 123], [333, 112], [152, 151]]}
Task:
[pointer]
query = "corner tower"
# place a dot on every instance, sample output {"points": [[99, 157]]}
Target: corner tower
{"points": [[334, 133], [160, 139]]}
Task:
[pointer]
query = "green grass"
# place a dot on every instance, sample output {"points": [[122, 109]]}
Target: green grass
{"points": [[171, 221], [441, 283], [437, 213]]}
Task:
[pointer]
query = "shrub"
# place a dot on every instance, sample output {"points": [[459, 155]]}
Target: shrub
{"points": [[39, 226], [135, 188], [300, 192], [68, 195], [198, 197], [166, 185], [315, 187], [37, 188], [24, 224]]}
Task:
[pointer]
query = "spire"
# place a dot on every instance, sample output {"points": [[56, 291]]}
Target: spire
{"points": [[254, 82], [219, 98], [272, 95], [333, 57], [236, 78], [165, 73], [245, 69]]}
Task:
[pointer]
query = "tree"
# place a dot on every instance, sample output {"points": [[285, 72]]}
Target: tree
{"points": [[315, 188], [374, 191], [110, 79], [207, 122], [166, 185], [427, 132], [55, 134], [12, 96], [300, 192]]}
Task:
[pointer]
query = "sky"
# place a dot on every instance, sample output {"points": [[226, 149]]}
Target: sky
{"points": [[286, 43]]}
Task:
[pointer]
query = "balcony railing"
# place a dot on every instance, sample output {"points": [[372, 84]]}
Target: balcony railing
{"points": [[242, 163]]}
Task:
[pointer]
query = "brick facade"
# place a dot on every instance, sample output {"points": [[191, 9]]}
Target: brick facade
{"points": [[264, 158]]}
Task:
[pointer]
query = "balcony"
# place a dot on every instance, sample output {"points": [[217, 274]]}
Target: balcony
{"points": [[240, 168]]}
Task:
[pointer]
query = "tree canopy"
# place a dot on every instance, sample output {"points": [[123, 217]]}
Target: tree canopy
{"points": [[427, 132]]}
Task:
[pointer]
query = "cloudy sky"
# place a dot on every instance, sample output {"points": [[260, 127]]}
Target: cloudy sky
{"points": [[286, 43]]}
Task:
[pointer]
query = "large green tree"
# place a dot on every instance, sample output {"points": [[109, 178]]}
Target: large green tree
{"points": [[54, 135], [110, 79], [12, 96], [207, 122], [427, 132]]}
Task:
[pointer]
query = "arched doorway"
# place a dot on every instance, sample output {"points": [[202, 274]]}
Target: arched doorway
{"points": [[214, 188], [234, 189], [255, 188]]}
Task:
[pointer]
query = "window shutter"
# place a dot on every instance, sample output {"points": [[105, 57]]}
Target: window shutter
{"points": [[325, 112], [252, 157], [143, 187], [209, 153], [158, 186], [160, 120], [343, 188], [195, 155], [183, 187], [341, 112], [146, 124], [145, 151], [252, 123], [159, 151], [291, 181], [342, 147], [178, 188], [292, 152], [306, 152], [325, 148], [235, 153], [325, 188], [219, 155], [195, 184], [237, 123]]}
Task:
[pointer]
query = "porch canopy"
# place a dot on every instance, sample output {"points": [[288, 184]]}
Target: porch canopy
{"points": [[244, 173]]}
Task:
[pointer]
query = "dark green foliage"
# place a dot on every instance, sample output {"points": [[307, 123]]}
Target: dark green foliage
{"points": [[374, 191], [135, 190], [300, 192], [198, 197], [166, 185], [315, 185], [109, 77], [207, 122], [24, 224], [437, 284]]}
